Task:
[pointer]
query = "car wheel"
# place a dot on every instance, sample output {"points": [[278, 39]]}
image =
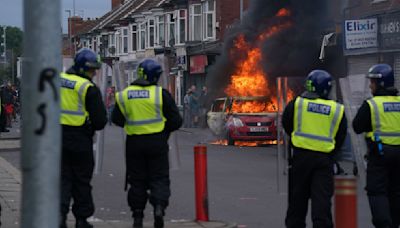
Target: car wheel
{"points": [[231, 142]]}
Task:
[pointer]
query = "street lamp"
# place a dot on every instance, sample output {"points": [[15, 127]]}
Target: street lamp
{"points": [[4, 43], [69, 31]]}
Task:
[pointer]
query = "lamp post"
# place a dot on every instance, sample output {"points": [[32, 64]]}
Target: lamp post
{"points": [[4, 43], [69, 31]]}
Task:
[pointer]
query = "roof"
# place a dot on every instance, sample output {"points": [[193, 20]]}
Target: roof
{"points": [[123, 12]]}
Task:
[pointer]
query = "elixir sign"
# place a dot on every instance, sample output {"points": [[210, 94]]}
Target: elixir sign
{"points": [[361, 33]]}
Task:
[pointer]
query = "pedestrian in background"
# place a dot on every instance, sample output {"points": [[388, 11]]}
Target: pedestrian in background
{"points": [[194, 106], [186, 103], [3, 117], [203, 103], [82, 113], [317, 127], [379, 118], [110, 103], [148, 114]]}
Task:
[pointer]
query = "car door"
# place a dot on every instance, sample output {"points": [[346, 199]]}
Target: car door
{"points": [[216, 117]]}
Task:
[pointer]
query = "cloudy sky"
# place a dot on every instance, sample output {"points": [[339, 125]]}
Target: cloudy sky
{"points": [[11, 10]]}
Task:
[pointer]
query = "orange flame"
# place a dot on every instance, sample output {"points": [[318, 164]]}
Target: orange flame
{"points": [[249, 78], [283, 13]]}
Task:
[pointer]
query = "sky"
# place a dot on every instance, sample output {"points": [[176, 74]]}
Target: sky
{"points": [[11, 11]]}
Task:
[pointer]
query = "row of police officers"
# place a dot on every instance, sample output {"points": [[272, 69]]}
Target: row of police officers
{"points": [[317, 128], [148, 114], [316, 125]]}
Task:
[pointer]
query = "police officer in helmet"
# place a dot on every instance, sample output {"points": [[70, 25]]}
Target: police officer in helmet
{"points": [[379, 118], [82, 113], [148, 114], [317, 128]]}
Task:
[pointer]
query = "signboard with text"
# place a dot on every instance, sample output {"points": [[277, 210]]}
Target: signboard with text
{"points": [[361, 33], [390, 31]]}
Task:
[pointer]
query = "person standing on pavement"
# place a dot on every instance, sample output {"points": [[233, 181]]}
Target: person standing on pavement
{"points": [[186, 105], [317, 127], [203, 100], [379, 118], [82, 113], [148, 114]]}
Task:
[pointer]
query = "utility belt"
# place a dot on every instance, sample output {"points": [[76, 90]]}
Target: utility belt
{"points": [[377, 147]]}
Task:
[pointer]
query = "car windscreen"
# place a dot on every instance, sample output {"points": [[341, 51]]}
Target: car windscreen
{"points": [[218, 106], [252, 106]]}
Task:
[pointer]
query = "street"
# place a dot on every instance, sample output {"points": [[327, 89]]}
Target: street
{"points": [[241, 183]]}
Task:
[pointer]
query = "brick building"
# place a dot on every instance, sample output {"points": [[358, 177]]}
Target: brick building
{"points": [[372, 33]]}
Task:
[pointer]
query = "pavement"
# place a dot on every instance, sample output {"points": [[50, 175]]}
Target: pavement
{"points": [[10, 195]]}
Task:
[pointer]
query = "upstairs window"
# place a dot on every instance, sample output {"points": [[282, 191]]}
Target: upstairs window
{"points": [[111, 44], [209, 19], [125, 40], [182, 27], [171, 29], [142, 36], [95, 44], [160, 31], [195, 22], [134, 37], [151, 33]]}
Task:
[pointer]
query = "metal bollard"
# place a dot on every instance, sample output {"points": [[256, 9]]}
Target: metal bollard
{"points": [[345, 202], [201, 189]]}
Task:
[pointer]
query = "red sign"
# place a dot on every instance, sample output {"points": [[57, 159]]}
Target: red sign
{"points": [[198, 64]]}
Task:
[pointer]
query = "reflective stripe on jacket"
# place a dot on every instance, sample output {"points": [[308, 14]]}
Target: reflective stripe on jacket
{"points": [[316, 123], [73, 96], [142, 109], [385, 119]]}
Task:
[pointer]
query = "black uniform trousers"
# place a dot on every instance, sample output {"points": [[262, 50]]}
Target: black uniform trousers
{"points": [[76, 173], [148, 170], [383, 187], [310, 177]]}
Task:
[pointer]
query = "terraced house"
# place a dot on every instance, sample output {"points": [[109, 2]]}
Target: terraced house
{"points": [[183, 35]]}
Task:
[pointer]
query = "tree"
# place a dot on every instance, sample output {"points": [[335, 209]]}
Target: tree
{"points": [[14, 36]]}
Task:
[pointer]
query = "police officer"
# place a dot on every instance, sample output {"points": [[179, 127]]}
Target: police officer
{"points": [[317, 128], [379, 118], [82, 113], [148, 114]]}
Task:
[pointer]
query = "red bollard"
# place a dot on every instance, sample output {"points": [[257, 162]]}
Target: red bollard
{"points": [[201, 189], [345, 202]]}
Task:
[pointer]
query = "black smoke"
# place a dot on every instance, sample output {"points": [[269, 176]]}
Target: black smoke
{"points": [[291, 52]]}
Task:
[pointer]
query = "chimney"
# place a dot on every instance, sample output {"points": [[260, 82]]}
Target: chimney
{"points": [[74, 24], [116, 3]]}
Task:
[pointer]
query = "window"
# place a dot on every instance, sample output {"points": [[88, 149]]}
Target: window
{"points": [[142, 36], [119, 42], [195, 22], [111, 44], [181, 27], [171, 29], [151, 33], [161, 30], [134, 37], [95, 44], [208, 19], [125, 40]]}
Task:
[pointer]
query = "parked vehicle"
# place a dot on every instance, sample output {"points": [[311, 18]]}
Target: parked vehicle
{"points": [[243, 119]]}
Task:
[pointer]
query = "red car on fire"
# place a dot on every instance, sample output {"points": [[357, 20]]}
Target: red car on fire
{"points": [[243, 119]]}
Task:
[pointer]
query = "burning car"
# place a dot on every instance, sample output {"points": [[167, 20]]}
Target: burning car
{"points": [[243, 119]]}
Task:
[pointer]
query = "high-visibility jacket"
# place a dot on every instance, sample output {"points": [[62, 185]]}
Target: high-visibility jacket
{"points": [[316, 123], [385, 119], [142, 107], [73, 96]]}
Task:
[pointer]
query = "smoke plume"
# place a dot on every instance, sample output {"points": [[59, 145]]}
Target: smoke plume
{"points": [[293, 51]]}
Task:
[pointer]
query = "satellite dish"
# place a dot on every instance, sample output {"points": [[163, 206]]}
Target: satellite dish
{"points": [[111, 50]]}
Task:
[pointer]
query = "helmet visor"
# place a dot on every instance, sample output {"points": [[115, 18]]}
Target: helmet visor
{"points": [[374, 75], [93, 65]]}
